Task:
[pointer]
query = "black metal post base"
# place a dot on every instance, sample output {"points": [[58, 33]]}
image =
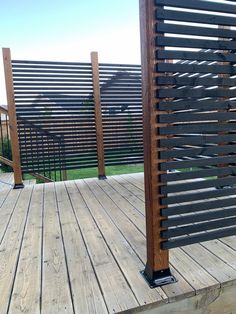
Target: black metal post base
{"points": [[159, 278], [18, 186], [102, 177]]}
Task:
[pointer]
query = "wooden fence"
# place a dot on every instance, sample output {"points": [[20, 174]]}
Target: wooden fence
{"points": [[94, 109], [189, 126]]}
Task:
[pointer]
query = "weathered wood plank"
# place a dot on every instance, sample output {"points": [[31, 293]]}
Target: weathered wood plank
{"points": [[7, 210], [27, 288], [124, 255], [56, 297], [10, 247], [131, 198], [86, 293], [128, 210], [116, 291], [136, 240], [220, 270]]}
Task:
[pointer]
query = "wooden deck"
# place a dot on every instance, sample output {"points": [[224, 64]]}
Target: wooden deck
{"points": [[78, 247]]}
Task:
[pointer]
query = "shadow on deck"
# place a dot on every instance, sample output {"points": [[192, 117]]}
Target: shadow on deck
{"points": [[78, 247]]}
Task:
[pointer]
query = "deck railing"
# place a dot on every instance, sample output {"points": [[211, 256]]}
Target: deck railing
{"points": [[42, 152]]}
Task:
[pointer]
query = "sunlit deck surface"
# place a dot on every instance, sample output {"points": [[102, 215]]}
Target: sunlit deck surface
{"points": [[78, 247]]}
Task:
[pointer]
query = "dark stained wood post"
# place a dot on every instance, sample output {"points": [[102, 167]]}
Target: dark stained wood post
{"points": [[98, 116], [157, 267], [12, 119]]}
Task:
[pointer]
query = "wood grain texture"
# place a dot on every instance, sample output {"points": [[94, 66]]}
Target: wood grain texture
{"points": [[78, 246], [98, 114], [16, 161]]}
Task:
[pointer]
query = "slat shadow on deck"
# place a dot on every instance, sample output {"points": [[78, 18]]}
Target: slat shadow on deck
{"points": [[78, 247]]}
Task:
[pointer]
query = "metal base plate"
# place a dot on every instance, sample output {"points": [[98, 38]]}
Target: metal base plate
{"points": [[160, 278], [18, 186], [102, 177]]}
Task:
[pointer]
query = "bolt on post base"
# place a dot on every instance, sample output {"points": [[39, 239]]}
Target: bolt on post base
{"points": [[102, 177], [18, 186], [159, 278]]}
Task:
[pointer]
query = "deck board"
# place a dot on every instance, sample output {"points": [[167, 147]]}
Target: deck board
{"points": [[56, 295], [27, 288], [79, 246]]}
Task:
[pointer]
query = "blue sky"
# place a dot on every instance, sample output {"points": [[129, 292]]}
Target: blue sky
{"points": [[68, 30]]}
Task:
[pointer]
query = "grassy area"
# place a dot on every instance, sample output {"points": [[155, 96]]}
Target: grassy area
{"points": [[93, 172]]}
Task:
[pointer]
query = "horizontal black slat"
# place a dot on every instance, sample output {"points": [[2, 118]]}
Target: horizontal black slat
{"points": [[196, 207], [200, 162], [34, 71], [26, 67], [195, 31], [198, 238], [123, 161], [35, 94], [50, 75], [196, 140], [195, 228], [39, 90], [50, 62], [187, 117], [119, 65], [195, 43], [196, 55], [195, 68], [59, 80], [188, 186], [193, 152], [163, 14], [193, 218], [27, 85], [195, 93], [186, 175], [190, 197], [199, 5], [197, 128], [196, 81], [199, 105]]}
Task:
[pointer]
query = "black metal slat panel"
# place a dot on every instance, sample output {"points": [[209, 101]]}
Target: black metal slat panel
{"points": [[196, 126], [128, 122], [45, 121], [57, 98]]}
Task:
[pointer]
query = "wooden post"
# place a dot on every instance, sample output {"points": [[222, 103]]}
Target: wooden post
{"points": [[157, 267], [98, 116], [12, 119]]}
